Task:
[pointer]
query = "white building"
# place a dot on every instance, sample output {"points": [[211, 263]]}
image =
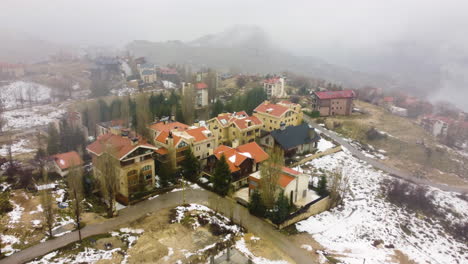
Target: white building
{"points": [[201, 96], [274, 87]]}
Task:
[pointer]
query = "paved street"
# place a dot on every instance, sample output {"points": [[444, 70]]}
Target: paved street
{"points": [[379, 165], [225, 206]]}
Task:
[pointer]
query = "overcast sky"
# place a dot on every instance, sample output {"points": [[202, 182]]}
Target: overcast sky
{"points": [[334, 30]]}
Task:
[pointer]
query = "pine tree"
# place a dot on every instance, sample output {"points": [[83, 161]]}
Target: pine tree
{"points": [[222, 177], [53, 142], [190, 166], [217, 108], [282, 208], [166, 174], [256, 206], [322, 186]]}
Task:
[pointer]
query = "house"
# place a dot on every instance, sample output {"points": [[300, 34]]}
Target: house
{"points": [[9, 70], [292, 183], [181, 137], [113, 126], [133, 161], [201, 96], [147, 73], [330, 103], [242, 161], [272, 115], [292, 140], [63, 162], [438, 126], [274, 87], [387, 102], [235, 128]]}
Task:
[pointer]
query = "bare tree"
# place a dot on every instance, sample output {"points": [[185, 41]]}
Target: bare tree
{"points": [[270, 171], [143, 114], [47, 206], [188, 101], [75, 188], [107, 177], [339, 187]]}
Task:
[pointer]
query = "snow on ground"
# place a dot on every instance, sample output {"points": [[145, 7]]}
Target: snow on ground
{"points": [[324, 144], [13, 93], [168, 84], [18, 147], [27, 118], [15, 214], [242, 247], [350, 230], [124, 91], [7, 242]]}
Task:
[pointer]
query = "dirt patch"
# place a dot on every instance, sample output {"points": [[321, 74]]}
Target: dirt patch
{"points": [[264, 248], [92, 218]]}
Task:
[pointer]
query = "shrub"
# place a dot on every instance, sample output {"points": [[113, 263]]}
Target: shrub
{"points": [[5, 205], [256, 206]]}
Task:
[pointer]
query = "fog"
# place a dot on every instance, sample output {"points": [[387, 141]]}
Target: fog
{"points": [[424, 40]]}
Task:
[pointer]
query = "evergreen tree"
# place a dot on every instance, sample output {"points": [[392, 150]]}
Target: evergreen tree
{"points": [[115, 112], [179, 115], [217, 108], [165, 174], [53, 142], [190, 166], [222, 177], [282, 208], [256, 206], [104, 112], [322, 186]]}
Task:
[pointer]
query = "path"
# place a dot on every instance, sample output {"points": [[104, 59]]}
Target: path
{"points": [[225, 206], [394, 172]]}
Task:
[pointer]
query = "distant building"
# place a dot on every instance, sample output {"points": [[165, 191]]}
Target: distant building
{"points": [[292, 139], [387, 102], [330, 103], [235, 128], [399, 111], [242, 161], [274, 87], [63, 162], [113, 126], [134, 162], [201, 96], [292, 183], [147, 73], [11, 71], [438, 126], [272, 115]]}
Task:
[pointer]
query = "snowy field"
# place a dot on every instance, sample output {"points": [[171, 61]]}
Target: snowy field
{"points": [[27, 118], [12, 94], [349, 231], [324, 145], [18, 147]]}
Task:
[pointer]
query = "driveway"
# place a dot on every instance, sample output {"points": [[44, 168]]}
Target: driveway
{"points": [[379, 165], [225, 206]]}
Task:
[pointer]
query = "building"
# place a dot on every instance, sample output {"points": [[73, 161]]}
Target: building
{"points": [[242, 161], [235, 128], [74, 120], [292, 140], [274, 87], [181, 137], [330, 103], [113, 126], [388, 102], [147, 73], [201, 96], [399, 111], [9, 70], [63, 162], [134, 162], [272, 115], [438, 126], [292, 183]]}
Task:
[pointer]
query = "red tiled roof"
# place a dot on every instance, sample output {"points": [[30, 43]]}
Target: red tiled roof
{"points": [[201, 86], [161, 137], [168, 71], [272, 109], [235, 157], [239, 118], [121, 146], [388, 99], [255, 151], [161, 126], [197, 133], [272, 80], [67, 160], [284, 180], [244, 123], [335, 94]]}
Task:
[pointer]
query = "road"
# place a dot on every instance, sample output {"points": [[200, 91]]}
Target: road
{"points": [[225, 206], [379, 165]]}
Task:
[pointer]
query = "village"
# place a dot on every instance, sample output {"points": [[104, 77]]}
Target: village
{"points": [[115, 159]]}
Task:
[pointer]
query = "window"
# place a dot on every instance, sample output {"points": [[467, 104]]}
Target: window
{"points": [[146, 168], [148, 177], [208, 145]]}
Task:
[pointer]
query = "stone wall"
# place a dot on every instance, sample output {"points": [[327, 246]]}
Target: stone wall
{"points": [[314, 208]]}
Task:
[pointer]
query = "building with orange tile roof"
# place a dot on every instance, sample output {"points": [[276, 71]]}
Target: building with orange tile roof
{"points": [[272, 115], [63, 162], [133, 160], [292, 183], [235, 128], [242, 161], [170, 134]]}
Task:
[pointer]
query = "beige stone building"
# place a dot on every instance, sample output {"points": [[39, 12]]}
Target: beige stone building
{"points": [[330, 103], [133, 159], [274, 87], [235, 128], [273, 115]]}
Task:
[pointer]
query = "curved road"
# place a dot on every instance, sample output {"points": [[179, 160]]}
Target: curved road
{"points": [[379, 165], [225, 206]]}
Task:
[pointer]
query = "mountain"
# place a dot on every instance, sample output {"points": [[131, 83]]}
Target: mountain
{"points": [[249, 49]]}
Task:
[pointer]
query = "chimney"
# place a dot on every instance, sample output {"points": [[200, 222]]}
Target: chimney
{"points": [[124, 133], [134, 141]]}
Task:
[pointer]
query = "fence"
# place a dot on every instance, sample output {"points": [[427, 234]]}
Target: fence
{"points": [[315, 207], [318, 155]]}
